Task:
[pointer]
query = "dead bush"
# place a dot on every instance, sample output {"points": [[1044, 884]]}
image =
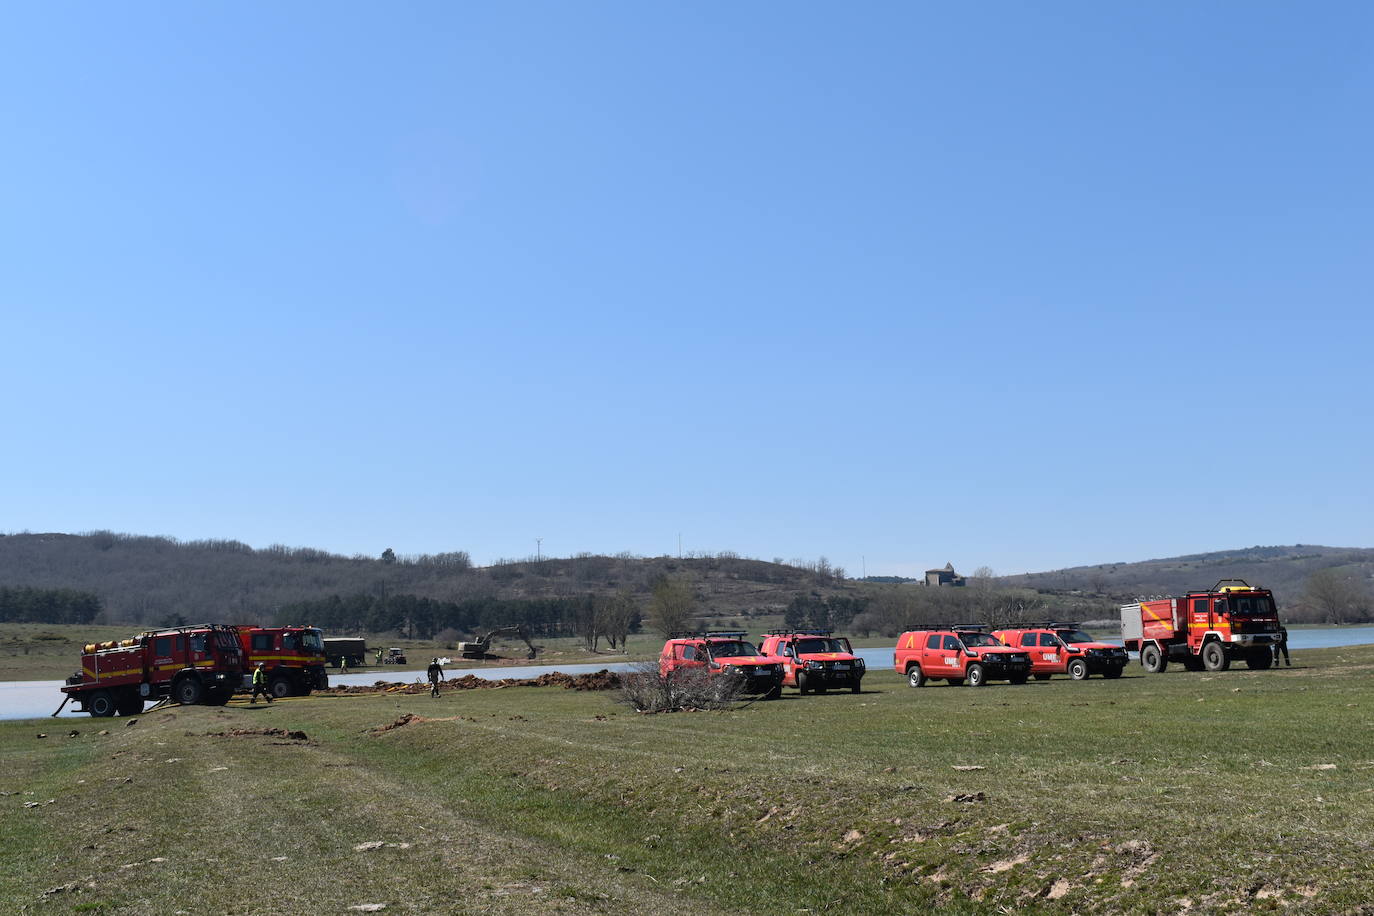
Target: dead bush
{"points": [[646, 690]]}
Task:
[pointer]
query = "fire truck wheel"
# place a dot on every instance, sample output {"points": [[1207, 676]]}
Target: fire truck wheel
{"points": [[1259, 659], [1214, 657], [854, 687], [976, 676], [187, 691], [1153, 660], [130, 704], [802, 684], [279, 687], [1078, 669], [915, 676], [101, 704]]}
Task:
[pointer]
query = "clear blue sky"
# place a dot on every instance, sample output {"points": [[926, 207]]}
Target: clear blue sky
{"points": [[1024, 285]]}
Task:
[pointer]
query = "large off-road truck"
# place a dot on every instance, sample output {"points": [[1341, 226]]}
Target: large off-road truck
{"points": [[292, 658], [196, 664], [1204, 630]]}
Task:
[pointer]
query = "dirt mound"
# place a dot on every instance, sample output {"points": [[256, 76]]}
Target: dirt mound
{"points": [[259, 733], [402, 721]]}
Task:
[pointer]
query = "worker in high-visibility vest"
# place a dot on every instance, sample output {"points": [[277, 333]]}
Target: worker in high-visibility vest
{"points": [[260, 684]]}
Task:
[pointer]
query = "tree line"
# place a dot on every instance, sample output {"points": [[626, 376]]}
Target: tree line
{"points": [[47, 605], [589, 616]]}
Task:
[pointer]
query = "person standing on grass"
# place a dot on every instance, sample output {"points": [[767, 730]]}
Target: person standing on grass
{"points": [[379, 656], [260, 685], [343, 664], [1282, 647], [436, 674]]}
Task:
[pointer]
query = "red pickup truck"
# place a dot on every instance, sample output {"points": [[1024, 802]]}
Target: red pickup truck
{"points": [[815, 660], [958, 654]]}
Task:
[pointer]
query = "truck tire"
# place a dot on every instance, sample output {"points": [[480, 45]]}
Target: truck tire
{"points": [[1078, 669], [1152, 660], [915, 676], [187, 690], [129, 703], [1259, 659], [1214, 657], [854, 687], [802, 685], [977, 677], [101, 704], [279, 686]]}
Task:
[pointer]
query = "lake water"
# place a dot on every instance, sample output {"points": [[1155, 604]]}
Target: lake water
{"points": [[37, 699]]}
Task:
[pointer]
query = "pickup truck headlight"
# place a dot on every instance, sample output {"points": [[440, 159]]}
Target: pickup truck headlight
{"points": [[858, 663], [813, 664]]}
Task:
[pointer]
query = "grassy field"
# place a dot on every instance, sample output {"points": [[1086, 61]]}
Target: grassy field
{"points": [[1185, 792]]}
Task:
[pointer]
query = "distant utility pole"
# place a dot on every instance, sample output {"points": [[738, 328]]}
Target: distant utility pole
{"points": [[679, 545], [539, 549], [864, 561]]}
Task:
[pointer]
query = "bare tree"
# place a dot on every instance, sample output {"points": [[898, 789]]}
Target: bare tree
{"points": [[672, 605], [1337, 597]]}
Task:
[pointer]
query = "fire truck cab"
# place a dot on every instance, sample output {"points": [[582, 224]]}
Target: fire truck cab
{"points": [[292, 657]]}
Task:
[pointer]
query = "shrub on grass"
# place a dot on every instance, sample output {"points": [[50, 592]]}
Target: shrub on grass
{"points": [[646, 690]]}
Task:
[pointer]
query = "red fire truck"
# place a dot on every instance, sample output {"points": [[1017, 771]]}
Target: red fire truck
{"points": [[292, 657], [196, 664], [1205, 629]]}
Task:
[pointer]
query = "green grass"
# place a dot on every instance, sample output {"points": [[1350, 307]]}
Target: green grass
{"points": [[1235, 792]]}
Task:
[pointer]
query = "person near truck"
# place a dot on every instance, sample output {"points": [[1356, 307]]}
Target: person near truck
{"points": [[379, 656], [436, 674], [1282, 647], [260, 684]]}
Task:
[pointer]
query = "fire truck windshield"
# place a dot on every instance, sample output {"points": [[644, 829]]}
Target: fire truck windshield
{"points": [[732, 649], [1250, 606], [808, 646], [311, 641], [978, 639]]}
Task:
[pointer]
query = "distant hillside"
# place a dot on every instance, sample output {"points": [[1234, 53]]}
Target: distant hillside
{"points": [[1283, 569], [151, 579]]}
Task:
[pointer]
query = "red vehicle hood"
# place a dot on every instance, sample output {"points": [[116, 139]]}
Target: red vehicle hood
{"points": [[827, 657], [996, 650], [748, 660]]}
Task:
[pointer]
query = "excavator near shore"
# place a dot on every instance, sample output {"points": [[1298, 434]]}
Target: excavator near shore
{"points": [[481, 647]]}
